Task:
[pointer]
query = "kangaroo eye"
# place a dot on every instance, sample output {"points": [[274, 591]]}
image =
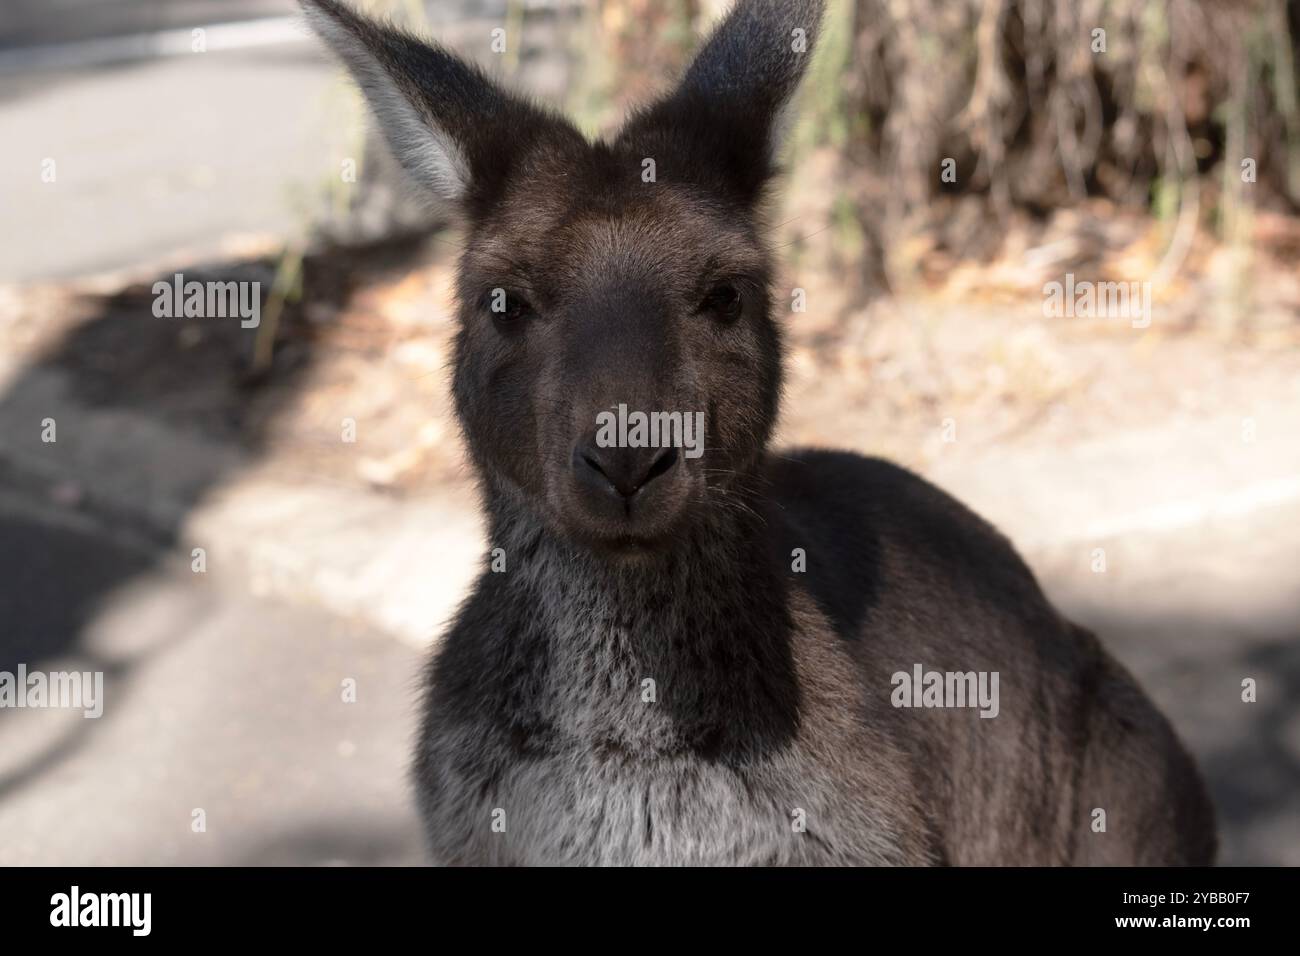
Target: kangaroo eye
{"points": [[722, 301], [507, 306]]}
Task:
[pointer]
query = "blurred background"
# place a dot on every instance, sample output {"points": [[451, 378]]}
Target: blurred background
{"points": [[202, 532]]}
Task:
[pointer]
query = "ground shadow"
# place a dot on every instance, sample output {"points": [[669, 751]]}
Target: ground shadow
{"points": [[1248, 751], [151, 414]]}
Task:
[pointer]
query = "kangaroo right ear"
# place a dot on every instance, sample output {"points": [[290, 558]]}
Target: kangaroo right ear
{"points": [[455, 131], [732, 108]]}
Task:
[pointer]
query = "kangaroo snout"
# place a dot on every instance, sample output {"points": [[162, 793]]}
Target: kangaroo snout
{"points": [[623, 473], [627, 485]]}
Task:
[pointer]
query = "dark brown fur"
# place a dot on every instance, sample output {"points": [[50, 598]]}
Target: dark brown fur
{"points": [[772, 699]]}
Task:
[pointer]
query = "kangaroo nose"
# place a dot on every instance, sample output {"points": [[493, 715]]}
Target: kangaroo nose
{"points": [[622, 471]]}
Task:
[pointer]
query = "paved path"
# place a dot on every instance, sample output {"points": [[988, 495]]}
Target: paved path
{"points": [[186, 155], [213, 700]]}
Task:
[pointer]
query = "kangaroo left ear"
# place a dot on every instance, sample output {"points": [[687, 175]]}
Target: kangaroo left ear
{"points": [[732, 109], [457, 133]]}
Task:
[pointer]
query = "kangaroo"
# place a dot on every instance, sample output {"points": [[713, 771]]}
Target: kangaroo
{"points": [[679, 655]]}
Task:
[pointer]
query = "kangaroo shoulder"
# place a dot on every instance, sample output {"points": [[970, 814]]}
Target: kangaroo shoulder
{"points": [[870, 527]]}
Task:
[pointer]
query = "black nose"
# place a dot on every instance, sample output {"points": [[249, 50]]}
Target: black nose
{"points": [[622, 471]]}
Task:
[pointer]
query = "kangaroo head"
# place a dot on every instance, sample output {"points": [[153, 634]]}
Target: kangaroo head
{"points": [[617, 366]]}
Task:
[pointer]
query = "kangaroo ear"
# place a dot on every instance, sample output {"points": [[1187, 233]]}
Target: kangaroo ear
{"points": [[735, 99], [455, 131]]}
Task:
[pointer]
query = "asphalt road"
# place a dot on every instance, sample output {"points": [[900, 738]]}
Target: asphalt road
{"points": [[166, 157], [186, 156], [213, 701], [29, 23]]}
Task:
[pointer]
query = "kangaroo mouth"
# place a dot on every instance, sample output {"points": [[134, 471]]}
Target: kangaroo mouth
{"points": [[631, 536], [643, 524]]}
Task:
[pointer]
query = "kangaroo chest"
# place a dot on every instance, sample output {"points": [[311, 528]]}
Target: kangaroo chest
{"points": [[622, 763]]}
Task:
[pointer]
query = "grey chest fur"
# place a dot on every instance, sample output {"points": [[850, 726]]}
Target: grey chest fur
{"points": [[606, 772], [581, 806]]}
